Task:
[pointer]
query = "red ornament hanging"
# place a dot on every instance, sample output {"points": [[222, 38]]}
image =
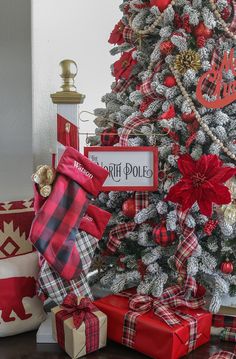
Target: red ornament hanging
{"points": [[161, 4], [201, 41], [202, 30], [210, 226], [201, 291], [169, 81], [227, 267], [162, 236], [166, 47], [109, 137], [141, 267], [129, 208]]}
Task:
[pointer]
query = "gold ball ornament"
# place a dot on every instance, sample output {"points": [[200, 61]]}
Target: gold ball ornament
{"points": [[187, 60]]}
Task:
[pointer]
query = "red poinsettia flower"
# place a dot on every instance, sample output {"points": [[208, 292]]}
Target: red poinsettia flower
{"points": [[124, 66], [116, 36], [202, 182]]}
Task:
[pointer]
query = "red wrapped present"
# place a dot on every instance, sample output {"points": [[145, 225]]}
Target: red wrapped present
{"points": [[223, 321], [165, 327]]}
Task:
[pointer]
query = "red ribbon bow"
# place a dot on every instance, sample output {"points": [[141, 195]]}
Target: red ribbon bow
{"points": [[163, 306], [80, 312]]}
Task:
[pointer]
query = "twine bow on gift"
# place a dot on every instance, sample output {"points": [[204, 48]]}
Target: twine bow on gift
{"points": [[165, 308], [81, 312]]}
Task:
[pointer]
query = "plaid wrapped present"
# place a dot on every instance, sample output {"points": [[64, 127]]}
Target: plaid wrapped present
{"points": [[223, 355], [228, 335], [224, 321], [78, 326], [144, 323]]}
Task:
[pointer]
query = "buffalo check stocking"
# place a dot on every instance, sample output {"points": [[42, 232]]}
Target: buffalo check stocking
{"points": [[55, 225]]}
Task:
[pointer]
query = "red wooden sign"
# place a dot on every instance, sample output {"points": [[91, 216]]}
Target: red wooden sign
{"points": [[224, 92], [130, 168]]}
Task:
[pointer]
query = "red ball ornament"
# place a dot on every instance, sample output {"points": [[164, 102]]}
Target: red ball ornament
{"points": [[201, 291], [202, 30], [141, 267], [161, 4], [169, 81], [162, 236], [166, 47], [129, 208], [201, 41], [109, 137], [227, 267], [188, 117]]}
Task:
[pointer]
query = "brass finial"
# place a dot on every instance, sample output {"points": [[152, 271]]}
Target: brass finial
{"points": [[68, 72], [68, 93]]}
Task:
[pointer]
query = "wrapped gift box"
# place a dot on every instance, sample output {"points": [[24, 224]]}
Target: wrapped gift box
{"points": [[78, 326], [154, 337]]}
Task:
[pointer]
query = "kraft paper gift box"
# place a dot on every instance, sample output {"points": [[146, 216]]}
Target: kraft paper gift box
{"points": [[78, 326]]}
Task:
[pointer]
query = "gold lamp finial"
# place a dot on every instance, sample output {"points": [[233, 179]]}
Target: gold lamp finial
{"points": [[68, 93], [68, 71]]}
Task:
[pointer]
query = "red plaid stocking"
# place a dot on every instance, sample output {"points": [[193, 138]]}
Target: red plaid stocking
{"points": [[55, 225]]}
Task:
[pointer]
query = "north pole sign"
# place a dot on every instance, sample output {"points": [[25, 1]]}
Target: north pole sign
{"points": [[130, 168]]}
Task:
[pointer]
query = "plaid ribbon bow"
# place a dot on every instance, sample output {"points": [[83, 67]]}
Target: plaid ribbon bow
{"points": [[129, 127], [146, 87], [163, 307], [81, 312], [118, 233]]}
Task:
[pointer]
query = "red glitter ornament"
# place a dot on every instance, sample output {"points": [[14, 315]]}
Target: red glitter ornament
{"points": [[201, 41], [169, 81], [161, 4], [210, 226], [166, 47], [201, 291], [227, 267], [129, 208], [202, 30]]}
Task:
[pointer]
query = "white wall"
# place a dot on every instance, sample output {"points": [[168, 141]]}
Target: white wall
{"points": [[15, 100], [75, 29]]}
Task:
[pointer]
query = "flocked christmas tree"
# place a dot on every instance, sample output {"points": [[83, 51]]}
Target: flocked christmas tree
{"points": [[185, 231]]}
